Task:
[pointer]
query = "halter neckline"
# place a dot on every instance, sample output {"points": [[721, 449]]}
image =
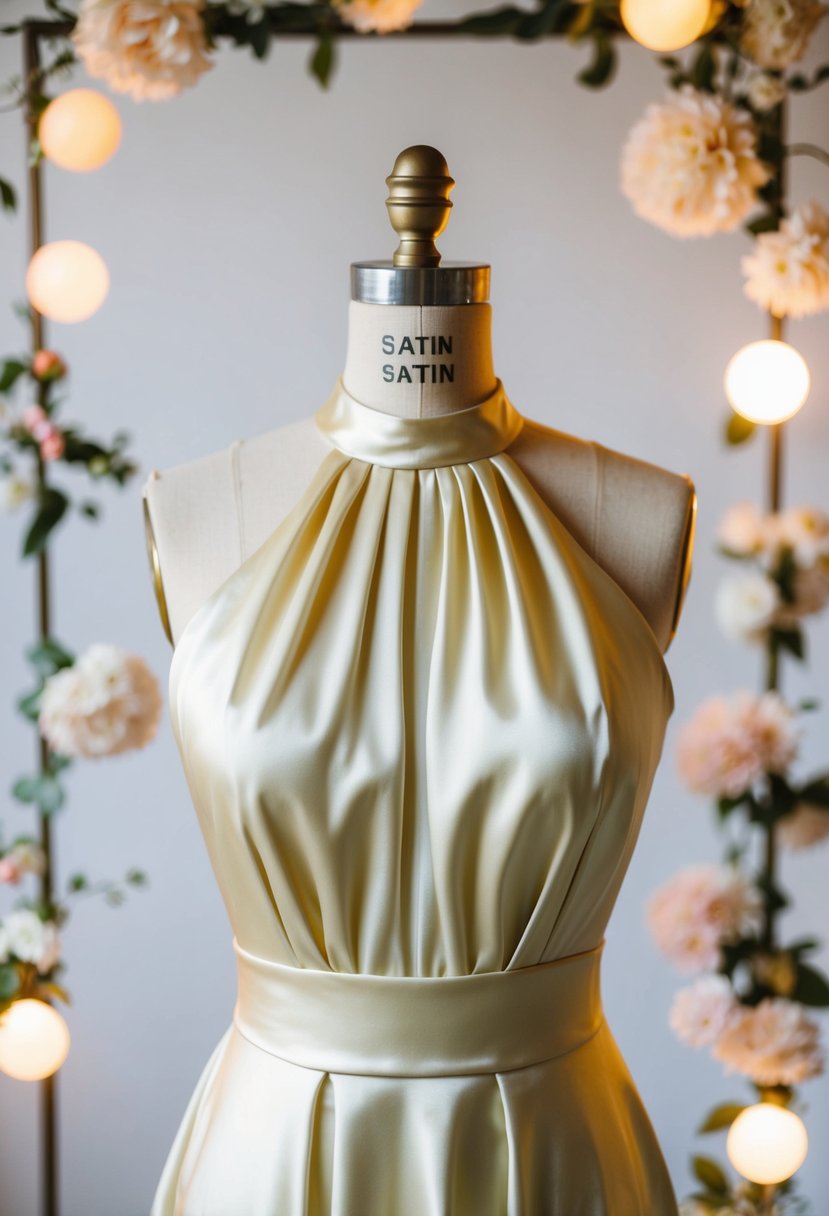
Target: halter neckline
{"points": [[459, 437]]}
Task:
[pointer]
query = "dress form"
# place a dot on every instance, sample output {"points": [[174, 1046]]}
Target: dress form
{"points": [[419, 345]]}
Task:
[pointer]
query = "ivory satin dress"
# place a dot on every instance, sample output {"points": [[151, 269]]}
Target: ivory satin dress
{"points": [[419, 725]]}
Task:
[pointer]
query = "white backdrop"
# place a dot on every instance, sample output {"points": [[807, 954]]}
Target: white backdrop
{"points": [[228, 219]]}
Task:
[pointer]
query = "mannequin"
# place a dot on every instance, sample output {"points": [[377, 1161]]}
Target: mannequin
{"points": [[419, 345]]}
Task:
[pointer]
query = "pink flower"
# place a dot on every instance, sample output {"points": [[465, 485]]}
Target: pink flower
{"points": [[699, 909], [9, 869], [774, 1043], [731, 742], [52, 446], [48, 365], [34, 416], [700, 1012], [743, 529]]}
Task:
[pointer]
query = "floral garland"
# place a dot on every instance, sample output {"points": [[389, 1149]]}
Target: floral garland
{"points": [[102, 703]]}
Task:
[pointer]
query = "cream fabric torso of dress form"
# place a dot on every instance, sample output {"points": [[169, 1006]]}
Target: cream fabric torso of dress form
{"points": [[419, 725]]}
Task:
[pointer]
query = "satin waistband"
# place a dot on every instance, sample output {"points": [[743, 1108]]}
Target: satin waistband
{"points": [[418, 1026]]}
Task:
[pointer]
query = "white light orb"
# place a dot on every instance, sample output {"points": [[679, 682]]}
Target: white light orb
{"points": [[665, 25], [80, 130], [34, 1040], [67, 281], [767, 381], [767, 1143]]}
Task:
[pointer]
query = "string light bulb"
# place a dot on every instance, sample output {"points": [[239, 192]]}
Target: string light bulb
{"points": [[767, 1143], [34, 1040], [80, 130], [67, 281], [767, 381], [665, 25]]}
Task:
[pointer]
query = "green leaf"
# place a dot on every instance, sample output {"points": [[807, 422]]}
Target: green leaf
{"points": [[49, 795], [77, 882], [812, 987], [497, 21], [48, 656], [738, 429], [25, 789], [791, 640], [12, 370], [816, 791], [138, 878], [90, 509], [721, 1116], [806, 705], [769, 221], [803, 945], [601, 70], [704, 68], [53, 504], [57, 990], [710, 1174], [726, 805], [29, 705], [775, 898], [323, 59], [9, 981], [8, 196]]}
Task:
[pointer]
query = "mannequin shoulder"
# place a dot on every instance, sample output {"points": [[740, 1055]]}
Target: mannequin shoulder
{"points": [[634, 518], [202, 517]]}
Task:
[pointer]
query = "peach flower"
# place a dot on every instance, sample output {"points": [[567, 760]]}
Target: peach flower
{"points": [[699, 909], [774, 1043], [805, 825], [731, 742], [699, 1012]]}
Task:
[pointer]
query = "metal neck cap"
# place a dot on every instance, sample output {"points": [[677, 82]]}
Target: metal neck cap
{"points": [[419, 207]]}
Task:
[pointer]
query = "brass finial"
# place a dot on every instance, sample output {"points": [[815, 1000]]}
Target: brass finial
{"points": [[418, 204]]}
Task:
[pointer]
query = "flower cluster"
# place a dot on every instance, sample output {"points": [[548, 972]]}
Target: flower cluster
{"points": [[776, 33], [24, 857], [105, 703], [700, 909], [26, 938], [731, 743], [788, 272], [150, 50], [787, 579], [691, 166], [39, 425], [377, 16]]}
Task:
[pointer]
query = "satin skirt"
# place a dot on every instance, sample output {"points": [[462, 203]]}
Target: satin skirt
{"points": [[264, 1137]]}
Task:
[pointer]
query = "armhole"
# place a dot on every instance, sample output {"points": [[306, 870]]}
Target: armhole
{"points": [[237, 496], [155, 565]]}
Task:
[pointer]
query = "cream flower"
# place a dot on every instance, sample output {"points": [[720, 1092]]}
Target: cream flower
{"points": [[805, 825], [730, 742], [699, 1013], [745, 606], [27, 935], [788, 272], [107, 702], [17, 490], [776, 33], [151, 49], [28, 856], [804, 530], [702, 906], [377, 16], [743, 530], [690, 165], [774, 1043], [765, 91]]}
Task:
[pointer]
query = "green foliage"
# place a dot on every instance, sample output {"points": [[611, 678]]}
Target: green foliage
{"points": [[721, 1116], [13, 369], [710, 1174], [738, 429], [44, 790], [8, 195], [603, 66], [812, 987], [323, 59], [51, 508]]}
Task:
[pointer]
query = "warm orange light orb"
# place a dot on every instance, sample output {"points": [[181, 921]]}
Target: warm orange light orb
{"points": [[767, 381], [80, 130], [767, 1143], [34, 1040], [665, 25], [67, 281]]}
